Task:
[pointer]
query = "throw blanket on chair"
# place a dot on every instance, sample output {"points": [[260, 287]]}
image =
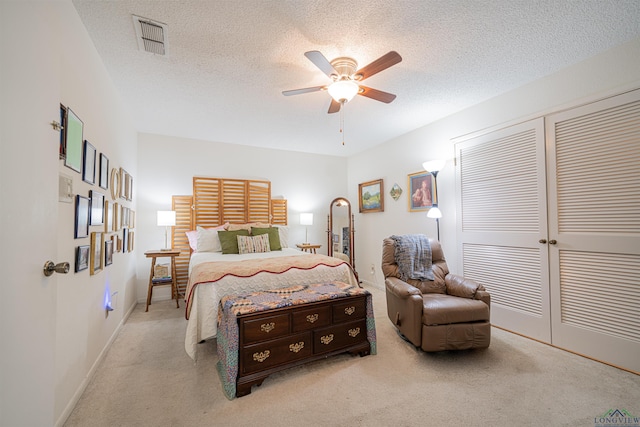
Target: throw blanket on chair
{"points": [[413, 256]]}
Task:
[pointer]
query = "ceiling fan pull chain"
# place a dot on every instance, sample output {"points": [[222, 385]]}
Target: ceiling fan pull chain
{"points": [[342, 122]]}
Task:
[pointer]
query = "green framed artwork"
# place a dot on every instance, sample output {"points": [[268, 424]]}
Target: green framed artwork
{"points": [[73, 142]]}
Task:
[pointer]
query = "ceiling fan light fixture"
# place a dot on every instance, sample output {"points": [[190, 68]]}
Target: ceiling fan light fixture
{"points": [[343, 91]]}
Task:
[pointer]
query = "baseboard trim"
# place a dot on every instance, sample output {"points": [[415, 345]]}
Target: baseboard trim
{"points": [[83, 385]]}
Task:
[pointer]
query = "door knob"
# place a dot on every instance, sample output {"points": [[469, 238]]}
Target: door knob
{"points": [[553, 242], [542, 241], [50, 268]]}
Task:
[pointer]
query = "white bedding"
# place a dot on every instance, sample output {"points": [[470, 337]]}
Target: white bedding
{"points": [[203, 318]]}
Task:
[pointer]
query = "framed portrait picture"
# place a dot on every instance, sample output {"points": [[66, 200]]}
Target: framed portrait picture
{"points": [[103, 180], [131, 240], [96, 259], [371, 196], [117, 217], [125, 240], [81, 228], [82, 257], [63, 125], [108, 217], [89, 163], [422, 192], [108, 252], [73, 142], [97, 208]]}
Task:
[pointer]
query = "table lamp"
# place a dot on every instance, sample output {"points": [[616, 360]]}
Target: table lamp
{"points": [[166, 219]]}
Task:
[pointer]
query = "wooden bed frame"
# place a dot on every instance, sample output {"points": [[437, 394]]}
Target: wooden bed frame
{"points": [[216, 201]]}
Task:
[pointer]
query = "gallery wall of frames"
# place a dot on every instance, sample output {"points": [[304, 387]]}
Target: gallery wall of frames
{"points": [[103, 222]]}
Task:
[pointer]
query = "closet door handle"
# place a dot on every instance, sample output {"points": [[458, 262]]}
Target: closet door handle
{"points": [[553, 242], [543, 241]]}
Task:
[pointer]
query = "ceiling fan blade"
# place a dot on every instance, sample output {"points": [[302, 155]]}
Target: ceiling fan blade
{"points": [[376, 94], [321, 62], [380, 64], [304, 90], [334, 107]]}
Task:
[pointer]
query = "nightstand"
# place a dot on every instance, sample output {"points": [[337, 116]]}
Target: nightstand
{"points": [[173, 253], [308, 247]]}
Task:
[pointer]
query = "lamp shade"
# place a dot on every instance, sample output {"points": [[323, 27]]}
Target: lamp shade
{"points": [[343, 90], [434, 212], [167, 218], [434, 165], [306, 219]]}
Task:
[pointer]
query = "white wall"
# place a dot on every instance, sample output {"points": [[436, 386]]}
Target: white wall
{"points": [[167, 165], [609, 73], [54, 329]]}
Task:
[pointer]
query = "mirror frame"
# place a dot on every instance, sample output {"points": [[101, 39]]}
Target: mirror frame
{"points": [[335, 202]]}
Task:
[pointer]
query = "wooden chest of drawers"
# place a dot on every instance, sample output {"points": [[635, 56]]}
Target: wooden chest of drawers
{"points": [[281, 338]]}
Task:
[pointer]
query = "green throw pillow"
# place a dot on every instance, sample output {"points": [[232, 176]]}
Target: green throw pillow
{"points": [[229, 240], [274, 236]]}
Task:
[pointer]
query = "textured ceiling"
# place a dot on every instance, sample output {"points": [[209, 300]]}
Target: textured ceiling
{"points": [[229, 61]]}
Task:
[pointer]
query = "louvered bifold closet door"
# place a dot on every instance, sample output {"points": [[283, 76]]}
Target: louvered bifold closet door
{"points": [[502, 206], [594, 202]]}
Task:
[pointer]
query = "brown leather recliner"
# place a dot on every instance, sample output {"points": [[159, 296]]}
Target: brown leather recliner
{"points": [[448, 313]]}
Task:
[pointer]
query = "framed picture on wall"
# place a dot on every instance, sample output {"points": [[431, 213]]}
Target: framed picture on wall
{"points": [[89, 163], [422, 192], [97, 208], [82, 258], [97, 245], [103, 180], [73, 142], [371, 196], [81, 228], [108, 252], [115, 184]]}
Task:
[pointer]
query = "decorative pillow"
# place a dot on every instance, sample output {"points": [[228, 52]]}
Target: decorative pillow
{"points": [[283, 233], [253, 244], [274, 236], [229, 240], [247, 226], [235, 227], [207, 240], [193, 239]]}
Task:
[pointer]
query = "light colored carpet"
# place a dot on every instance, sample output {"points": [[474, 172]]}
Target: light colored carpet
{"points": [[147, 379]]}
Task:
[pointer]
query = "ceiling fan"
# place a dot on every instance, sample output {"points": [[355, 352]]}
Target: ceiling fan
{"points": [[346, 80]]}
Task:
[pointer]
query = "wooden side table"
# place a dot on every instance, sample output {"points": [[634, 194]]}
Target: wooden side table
{"points": [[173, 253], [308, 247]]}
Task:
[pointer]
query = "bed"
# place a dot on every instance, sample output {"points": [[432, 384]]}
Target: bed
{"points": [[214, 275], [204, 277]]}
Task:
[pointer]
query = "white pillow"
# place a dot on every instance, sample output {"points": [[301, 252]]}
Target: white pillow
{"points": [[283, 232], [208, 240]]}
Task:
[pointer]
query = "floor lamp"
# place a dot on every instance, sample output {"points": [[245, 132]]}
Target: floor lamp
{"points": [[434, 212]]}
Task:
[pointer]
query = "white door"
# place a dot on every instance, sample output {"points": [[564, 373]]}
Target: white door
{"points": [[503, 217], [29, 100], [593, 155]]}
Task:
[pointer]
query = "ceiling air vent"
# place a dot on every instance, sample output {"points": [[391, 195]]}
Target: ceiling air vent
{"points": [[151, 35]]}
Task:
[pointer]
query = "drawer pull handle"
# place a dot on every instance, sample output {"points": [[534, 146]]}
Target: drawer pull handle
{"points": [[296, 347], [262, 356], [354, 332], [267, 327], [349, 310], [312, 318], [326, 339]]}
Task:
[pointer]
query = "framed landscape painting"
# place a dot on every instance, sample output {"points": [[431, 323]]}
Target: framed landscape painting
{"points": [[371, 196]]}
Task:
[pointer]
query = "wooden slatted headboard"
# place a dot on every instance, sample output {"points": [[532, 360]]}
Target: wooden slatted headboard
{"points": [[216, 201]]}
